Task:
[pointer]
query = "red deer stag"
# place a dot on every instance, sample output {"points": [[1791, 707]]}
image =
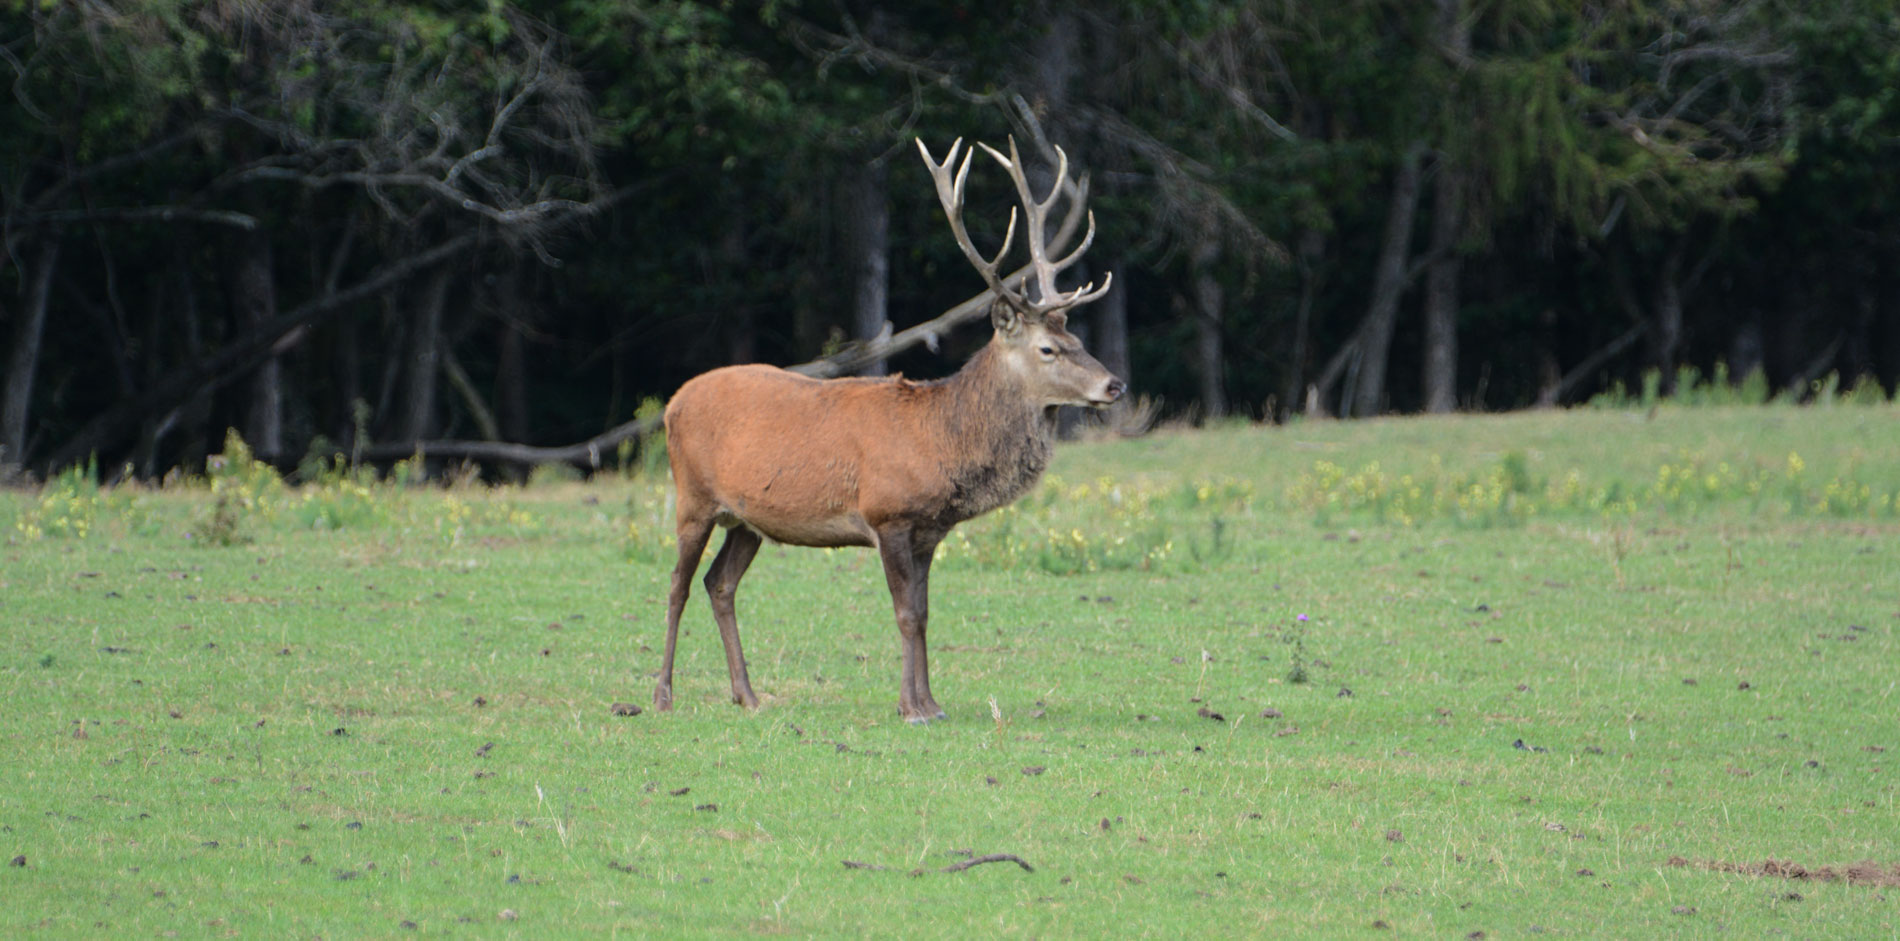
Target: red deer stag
{"points": [[888, 463]]}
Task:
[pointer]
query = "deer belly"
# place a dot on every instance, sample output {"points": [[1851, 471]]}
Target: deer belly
{"points": [[834, 529]]}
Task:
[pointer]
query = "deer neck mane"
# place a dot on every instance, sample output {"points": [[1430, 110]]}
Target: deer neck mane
{"points": [[998, 439]]}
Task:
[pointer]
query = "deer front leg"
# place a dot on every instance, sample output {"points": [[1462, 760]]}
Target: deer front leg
{"points": [[907, 555], [923, 552]]}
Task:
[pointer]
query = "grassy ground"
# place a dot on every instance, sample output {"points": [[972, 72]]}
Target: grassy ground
{"points": [[1577, 674]]}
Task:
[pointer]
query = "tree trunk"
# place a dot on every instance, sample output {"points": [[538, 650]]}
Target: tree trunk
{"points": [[1110, 315], [194, 410], [108, 331], [345, 354], [868, 247], [417, 405], [1312, 249], [348, 375], [511, 384], [1440, 369], [254, 302], [1745, 351], [1857, 356], [1550, 371], [23, 358], [1388, 285], [1667, 307], [1206, 310], [1787, 342], [1441, 292], [511, 391]]}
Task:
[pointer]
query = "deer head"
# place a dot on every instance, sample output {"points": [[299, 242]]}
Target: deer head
{"points": [[1032, 336]]}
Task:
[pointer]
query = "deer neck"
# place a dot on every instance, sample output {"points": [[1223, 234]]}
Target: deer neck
{"points": [[999, 438]]}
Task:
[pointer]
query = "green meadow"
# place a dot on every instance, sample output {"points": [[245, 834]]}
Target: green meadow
{"points": [[1594, 673]]}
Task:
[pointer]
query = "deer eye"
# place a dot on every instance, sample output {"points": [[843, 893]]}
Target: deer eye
{"points": [[1048, 351]]}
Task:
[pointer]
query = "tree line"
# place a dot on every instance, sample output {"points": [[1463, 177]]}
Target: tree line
{"points": [[495, 230]]}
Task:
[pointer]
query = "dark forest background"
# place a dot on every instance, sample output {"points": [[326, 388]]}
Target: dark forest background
{"points": [[353, 227]]}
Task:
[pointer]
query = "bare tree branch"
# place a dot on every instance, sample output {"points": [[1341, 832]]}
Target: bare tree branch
{"points": [[423, 138], [1185, 193], [132, 214], [1231, 90], [1556, 394], [829, 48], [989, 858], [953, 867], [471, 396]]}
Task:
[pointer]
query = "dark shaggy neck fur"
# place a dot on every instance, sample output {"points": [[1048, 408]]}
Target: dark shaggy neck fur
{"points": [[1000, 439]]}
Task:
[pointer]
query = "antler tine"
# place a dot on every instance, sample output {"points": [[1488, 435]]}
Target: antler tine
{"points": [[1088, 239], [950, 194], [963, 173], [1078, 192], [1088, 292], [1078, 208], [1062, 173], [1038, 213], [1015, 166]]}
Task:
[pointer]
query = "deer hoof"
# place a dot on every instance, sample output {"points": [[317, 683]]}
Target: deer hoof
{"points": [[662, 699]]}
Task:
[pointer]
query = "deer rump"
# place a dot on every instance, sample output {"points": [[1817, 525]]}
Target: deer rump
{"points": [[829, 463]]}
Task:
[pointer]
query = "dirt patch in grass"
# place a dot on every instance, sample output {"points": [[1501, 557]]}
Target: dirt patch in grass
{"points": [[1866, 872]]}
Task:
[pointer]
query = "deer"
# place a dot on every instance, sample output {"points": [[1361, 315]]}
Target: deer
{"points": [[887, 463]]}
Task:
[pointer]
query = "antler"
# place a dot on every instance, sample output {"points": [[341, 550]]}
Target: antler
{"points": [[1038, 213], [950, 193]]}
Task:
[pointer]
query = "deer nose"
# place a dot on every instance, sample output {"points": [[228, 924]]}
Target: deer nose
{"points": [[1115, 388]]}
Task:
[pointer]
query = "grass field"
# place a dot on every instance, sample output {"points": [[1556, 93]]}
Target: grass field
{"points": [[1583, 674]]}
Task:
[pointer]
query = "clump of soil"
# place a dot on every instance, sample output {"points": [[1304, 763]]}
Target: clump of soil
{"points": [[1865, 872]]}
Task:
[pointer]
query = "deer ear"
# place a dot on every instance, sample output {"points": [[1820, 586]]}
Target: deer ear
{"points": [[1005, 318]]}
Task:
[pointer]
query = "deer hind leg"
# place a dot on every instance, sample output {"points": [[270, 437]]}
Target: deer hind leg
{"points": [[722, 584], [693, 533], [907, 557]]}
